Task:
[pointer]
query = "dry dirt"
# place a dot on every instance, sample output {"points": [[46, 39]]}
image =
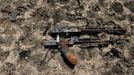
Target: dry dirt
{"points": [[22, 27]]}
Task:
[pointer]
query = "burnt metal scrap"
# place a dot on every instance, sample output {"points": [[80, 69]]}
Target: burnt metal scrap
{"points": [[66, 37]]}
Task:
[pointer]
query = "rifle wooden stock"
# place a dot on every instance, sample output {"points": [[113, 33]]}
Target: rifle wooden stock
{"points": [[67, 52]]}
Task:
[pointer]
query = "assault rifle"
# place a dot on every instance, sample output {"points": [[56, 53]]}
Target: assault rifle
{"points": [[83, 37]]}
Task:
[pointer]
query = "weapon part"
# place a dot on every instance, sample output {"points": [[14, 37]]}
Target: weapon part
{"points": [[67, 52], [66, 37], [84, 43], [77, 31]]}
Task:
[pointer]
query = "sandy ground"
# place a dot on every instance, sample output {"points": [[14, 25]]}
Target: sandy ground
{"points": [[22, 40]]}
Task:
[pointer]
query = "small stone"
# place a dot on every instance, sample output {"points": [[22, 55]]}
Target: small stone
{"points": [[131, 17], [13, 15], [117, 7], [24, 54], [130, 5]]}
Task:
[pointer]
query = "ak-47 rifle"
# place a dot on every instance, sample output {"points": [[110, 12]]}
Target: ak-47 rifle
{"points": [[64, 37]]}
